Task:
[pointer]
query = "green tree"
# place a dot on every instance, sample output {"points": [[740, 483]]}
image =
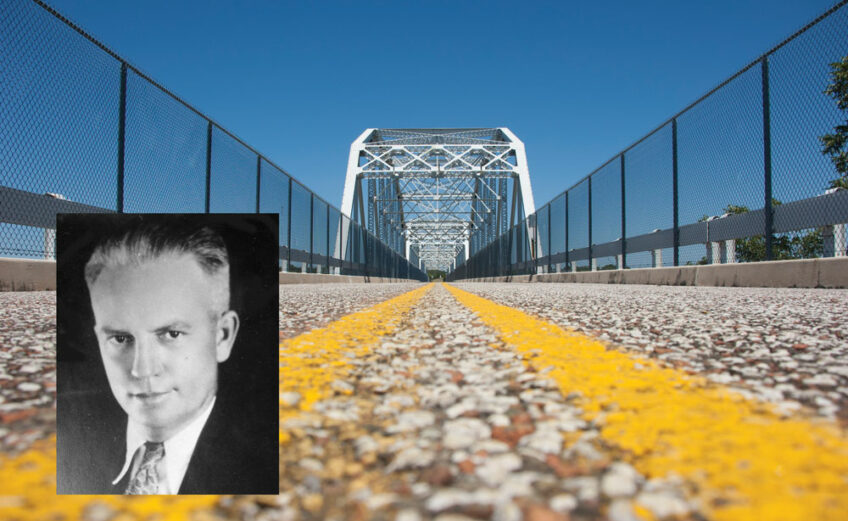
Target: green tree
{"points": [[753, 249], [836, 145], [436, 274]]}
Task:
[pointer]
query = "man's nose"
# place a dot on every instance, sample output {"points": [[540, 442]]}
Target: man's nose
{"points": [[147, 360]]}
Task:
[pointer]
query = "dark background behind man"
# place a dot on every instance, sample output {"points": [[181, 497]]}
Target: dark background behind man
{"points": [[247, 382]]}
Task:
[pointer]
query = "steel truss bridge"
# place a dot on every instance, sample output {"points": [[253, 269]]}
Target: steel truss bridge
{"points": [[437, 195]]}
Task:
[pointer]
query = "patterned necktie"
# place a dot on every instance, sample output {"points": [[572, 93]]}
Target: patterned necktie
{"points": [[146, 478]]}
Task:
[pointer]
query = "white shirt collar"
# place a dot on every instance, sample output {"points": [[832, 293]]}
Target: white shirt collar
{"points": [[178, 450]]}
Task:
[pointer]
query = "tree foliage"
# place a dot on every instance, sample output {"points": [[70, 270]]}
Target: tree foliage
{"points": [[835, 145], [436, 274], [783, 247]]}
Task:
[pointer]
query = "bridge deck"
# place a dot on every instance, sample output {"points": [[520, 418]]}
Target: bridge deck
{"points": [[588, 401]]}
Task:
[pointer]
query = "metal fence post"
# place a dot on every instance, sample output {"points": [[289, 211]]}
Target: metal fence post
{"points": [[623, 220], [353, 240], [769, 225], [340, 247], [590, 225], [534, 246], [311, 228], [288, 229], [567, 264], [508, 263], [356, 243], [550, 257], [209, 166], [122, 124], [365, 252], [258, 179], [674, 189], [327, 251]]}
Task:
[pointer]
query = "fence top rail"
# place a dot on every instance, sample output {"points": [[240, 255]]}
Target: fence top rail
{"points": [[832, 209], [712, 91], [159, 86]]}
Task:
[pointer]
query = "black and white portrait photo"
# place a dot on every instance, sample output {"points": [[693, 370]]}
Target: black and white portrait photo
{"points": [[167, 354]]}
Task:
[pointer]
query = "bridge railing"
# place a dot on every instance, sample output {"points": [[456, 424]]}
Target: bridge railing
{"points": [[82, 130], [740, 175]]}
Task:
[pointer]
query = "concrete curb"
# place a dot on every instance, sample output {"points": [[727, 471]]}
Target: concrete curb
{"points": [[40, 275], [831, 272], [27, 275]]}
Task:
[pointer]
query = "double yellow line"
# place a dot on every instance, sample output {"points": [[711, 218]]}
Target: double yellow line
{"points": [[309, 364], [743, 460], [739, 458]]}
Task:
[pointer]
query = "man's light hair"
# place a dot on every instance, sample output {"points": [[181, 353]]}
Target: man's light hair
{"points": [[145, 239]]}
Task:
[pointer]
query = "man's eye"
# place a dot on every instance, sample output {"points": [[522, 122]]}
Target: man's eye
{"points": [[173, 334], [122, 339]]}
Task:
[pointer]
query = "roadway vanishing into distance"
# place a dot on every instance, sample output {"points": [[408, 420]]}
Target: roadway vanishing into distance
{"points": [[510, 401]]}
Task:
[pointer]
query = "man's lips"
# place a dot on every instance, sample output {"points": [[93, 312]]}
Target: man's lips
{"points": [[151, 396]]}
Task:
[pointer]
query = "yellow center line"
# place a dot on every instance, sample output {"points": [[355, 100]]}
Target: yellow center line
{"points": [[744, 459], [28, 488], [311, 362], [308, 364]]}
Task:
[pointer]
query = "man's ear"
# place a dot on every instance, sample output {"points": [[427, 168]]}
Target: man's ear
{"points": [[225, 335]]}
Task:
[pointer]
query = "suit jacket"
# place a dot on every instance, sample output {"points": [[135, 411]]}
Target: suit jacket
{"points": [[232, 455]]}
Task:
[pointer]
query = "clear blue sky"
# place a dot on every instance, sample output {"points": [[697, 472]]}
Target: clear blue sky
{"points": [[576, 81]]}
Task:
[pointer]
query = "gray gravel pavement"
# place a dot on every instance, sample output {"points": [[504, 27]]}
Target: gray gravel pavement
{"points": [[27, 368], [307, 306], [444, 422], [28, 347], [786, 346]]}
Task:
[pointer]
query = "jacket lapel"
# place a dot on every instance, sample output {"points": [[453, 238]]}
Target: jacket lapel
{"points": [[203, 475]]}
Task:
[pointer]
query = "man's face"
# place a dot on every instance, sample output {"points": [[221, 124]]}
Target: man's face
{"points": [[160, 340]]}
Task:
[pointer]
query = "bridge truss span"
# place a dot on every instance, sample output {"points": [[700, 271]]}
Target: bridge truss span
{"points": [[437, 195]]}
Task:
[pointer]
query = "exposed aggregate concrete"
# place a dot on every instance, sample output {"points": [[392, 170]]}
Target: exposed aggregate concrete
{"points": [[307, 306], [27, 368], [28, 347], [785, 346], [442, 421]]}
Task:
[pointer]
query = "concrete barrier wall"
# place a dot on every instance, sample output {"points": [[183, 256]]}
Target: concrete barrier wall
{"points": [[27, 275], [40, 275], [323, 278], [829, 272]]}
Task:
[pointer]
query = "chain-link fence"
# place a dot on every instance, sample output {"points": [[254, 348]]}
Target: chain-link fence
{"points": [[752, 171], [81, 130]]}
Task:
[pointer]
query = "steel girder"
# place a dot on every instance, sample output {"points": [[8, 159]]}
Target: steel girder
{"points": [[437, 192]]}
